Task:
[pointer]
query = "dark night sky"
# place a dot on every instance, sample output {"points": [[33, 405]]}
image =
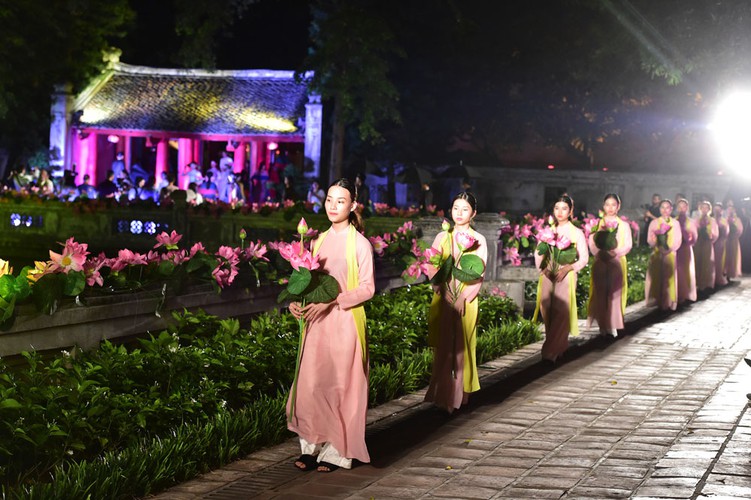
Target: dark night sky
{"points": [[272, 34]]}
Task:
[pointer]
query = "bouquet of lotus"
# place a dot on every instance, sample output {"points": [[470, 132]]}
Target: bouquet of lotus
{"points": [[704, 229], [556, 250], [732, 226], [465, 269], [306, 283], [605, 236], [662, 235]]}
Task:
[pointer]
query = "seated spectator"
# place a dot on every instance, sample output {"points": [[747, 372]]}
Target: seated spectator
{"points": [[192, 196], [44, 184], [208, 189], [85, 189], [137, 191], [166, 191]]}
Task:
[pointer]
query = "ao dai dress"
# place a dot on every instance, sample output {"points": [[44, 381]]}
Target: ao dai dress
{"points": [[452, 336], [704, 259], [733, 248], [608, 286], [720, 246], [660, 286], [684, 260], [332, 384], [557, 300]]}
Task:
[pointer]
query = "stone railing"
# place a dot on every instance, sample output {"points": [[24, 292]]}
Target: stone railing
{"points": [[29, 229], [127, 315]]}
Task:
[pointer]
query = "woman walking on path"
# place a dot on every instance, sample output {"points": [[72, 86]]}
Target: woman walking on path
{"points": [[684, 256], [556, 288], [720, 246], [708, 232], [664, 235], [733, 245], [331, 397], [608, 288], [452, 320]]}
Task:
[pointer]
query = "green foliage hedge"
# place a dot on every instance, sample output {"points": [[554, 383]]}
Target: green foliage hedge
{"points": [[121, 422]]}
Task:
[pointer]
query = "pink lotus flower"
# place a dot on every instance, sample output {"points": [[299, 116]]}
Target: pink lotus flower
{"points": [[407, 226], [287, 250], [224, 276], [72, 258], [497, 292], [169, 241], [512, 255], [379, 245], [464, 241], [413, 272], [662, 228], [305, 260], [563, 242], [91, 270], [445, 225], [302, 227], [433, 256], [177, 257], [526, 231], [546, 235], [611, 224], [197, 247], [127, 257], [229, 254], [256, 251]]}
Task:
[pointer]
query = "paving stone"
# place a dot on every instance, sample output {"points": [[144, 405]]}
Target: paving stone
{"points": [[596, 492], [522, 493], [461, 491]]}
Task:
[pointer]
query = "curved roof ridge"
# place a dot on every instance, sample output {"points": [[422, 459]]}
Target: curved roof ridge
{"points": [[131, 69]]}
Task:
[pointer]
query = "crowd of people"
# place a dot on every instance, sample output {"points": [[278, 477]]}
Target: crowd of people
{"points": [[692, 254], [217, 183]]}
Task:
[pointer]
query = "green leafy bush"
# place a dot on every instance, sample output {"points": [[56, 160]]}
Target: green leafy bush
{"points": [[121, 422]]}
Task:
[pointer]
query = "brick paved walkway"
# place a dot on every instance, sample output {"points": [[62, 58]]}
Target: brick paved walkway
{"points": [[660, 413]]}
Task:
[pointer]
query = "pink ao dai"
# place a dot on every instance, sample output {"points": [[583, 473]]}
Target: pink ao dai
{"points": [[608, 282], [733, 247], [332, 386], [554, 299], [684, 260], [720, 248], [660, 285], [708, 232]]}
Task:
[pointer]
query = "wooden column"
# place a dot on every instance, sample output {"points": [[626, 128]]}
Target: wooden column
{"points": [[162, 158], [238, 164], [184, 157]]}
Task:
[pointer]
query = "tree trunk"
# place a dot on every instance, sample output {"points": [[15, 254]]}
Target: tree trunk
{"points": [[337, 143]]}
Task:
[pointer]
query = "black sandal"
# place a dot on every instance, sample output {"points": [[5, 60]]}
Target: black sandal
{"points": [[308, 462], [327, 465]]}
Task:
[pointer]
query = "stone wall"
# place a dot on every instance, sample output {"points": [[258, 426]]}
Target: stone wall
{"points": [[519, 191]]}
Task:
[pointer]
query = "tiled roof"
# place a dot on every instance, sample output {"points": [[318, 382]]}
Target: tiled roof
{"points": [[194, 101]]}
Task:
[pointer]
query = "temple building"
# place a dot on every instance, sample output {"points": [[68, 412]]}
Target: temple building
{"points": [[164, 119]]}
